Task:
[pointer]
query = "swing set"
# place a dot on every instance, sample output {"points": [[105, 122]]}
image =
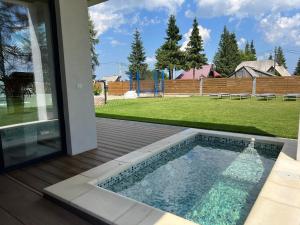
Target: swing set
{"points": [[147, 88]]}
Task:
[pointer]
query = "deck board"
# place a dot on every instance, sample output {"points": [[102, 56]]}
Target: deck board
{"points": [[30, 208], [7, 219], [23, 204]]}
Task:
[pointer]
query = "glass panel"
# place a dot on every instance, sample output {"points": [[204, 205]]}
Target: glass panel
{"points": [[29, 122]]}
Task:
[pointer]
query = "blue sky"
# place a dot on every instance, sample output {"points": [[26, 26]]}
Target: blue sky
{"points": [[268, 23]]}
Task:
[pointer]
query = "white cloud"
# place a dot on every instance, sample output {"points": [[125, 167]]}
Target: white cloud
{"points": [[241, 42], [204, 32], [115, 13], [115, 43], [103, 22], [189, 13], [243, 8], [150, 60], [278, 29], [137, 20]]}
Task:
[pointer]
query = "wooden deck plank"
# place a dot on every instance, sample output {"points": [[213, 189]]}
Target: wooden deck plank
{"points": [[45, 176], [31, 208], [57, 172], [72, 162], [130, 142], [29, 179], [64, 166], [110, 155], [8, 219], [92, 161]]}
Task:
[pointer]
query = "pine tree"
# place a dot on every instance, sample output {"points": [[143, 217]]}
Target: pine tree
{"points": [[297, 70], [270, 57], [195, 56], [247, 49], [93, 42], [249, 53], [169, 55], [245, 54], [279, 57], [137, 56], [228, 56], [252, 50], [14, 52]]}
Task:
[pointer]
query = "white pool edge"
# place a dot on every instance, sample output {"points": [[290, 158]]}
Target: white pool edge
{"points": [[82, 192]]}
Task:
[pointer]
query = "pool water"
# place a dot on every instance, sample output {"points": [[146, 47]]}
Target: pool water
{"points": [[207, 183]]}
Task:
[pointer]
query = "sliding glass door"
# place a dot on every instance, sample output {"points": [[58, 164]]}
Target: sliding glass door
{"points": [[30, 125]]}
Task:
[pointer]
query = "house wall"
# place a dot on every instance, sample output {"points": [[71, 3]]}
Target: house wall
{"points": [[261, 74], [242, 73], [76, 74]]}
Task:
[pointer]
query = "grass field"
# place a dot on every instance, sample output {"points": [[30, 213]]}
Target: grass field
{"points": [[22, 113], [273, 118], [27, 115]]}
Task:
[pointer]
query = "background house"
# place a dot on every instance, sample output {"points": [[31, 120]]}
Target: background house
{"points": [[113, 78], [260, 68], [207, 71]]}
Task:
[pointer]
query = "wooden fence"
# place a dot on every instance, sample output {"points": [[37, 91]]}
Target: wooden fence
{"points": [[182, 87], [277, 85], [227, 85]]}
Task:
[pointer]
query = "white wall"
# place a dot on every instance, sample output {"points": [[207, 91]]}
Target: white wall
{"points": [[298, 147], [74, 49]]}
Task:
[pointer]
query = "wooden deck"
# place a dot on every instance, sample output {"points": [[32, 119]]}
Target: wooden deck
{"points": [[21, 199]]}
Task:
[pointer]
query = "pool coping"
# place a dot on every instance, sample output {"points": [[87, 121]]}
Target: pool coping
{"points": [[82, 192]]}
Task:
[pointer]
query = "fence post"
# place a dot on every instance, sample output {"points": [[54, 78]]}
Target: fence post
{"points": [[201, 86], [254, 86], [131, 83], [122, 88], [155, 83], [163, 82], [138, 83]]}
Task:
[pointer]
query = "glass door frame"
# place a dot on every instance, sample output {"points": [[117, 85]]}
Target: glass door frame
{"points": [[59, 94]]}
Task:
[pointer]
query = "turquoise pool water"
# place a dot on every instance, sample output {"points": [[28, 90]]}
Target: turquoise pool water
{"points": [[209, 183]]}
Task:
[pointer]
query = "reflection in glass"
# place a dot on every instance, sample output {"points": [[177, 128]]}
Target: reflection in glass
{"points": [[29, 123]]}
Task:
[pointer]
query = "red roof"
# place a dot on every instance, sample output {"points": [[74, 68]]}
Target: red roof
{"points": [[205, 71]]}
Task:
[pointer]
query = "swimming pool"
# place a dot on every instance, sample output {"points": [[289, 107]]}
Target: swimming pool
{"points": [[205, 179]]}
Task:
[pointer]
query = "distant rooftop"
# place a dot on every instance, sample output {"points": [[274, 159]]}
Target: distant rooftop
{"points": [[266, 66], [204, 72], [112, 78]]}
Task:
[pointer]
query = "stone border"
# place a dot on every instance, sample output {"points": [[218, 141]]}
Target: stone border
{"points": [[82, 192]]}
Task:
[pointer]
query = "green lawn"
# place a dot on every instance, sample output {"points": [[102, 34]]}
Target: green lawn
{"points": [[272, 118], [26, 115]]}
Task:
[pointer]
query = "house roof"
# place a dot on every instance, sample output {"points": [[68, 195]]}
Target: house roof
{"points": [[253, 72], [282, 71], [263, 66], [199, 73], [111, 78]]}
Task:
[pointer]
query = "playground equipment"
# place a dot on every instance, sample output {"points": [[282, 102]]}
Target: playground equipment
{"points": [[145, 88]]}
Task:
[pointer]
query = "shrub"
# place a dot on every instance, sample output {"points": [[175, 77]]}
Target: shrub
{"points": [[97, 88]]}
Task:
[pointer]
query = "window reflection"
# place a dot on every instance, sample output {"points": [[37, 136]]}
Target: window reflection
{"points": [[29, 122]]}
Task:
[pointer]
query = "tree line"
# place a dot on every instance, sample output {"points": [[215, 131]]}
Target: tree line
{"points": [[169, 55]]}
